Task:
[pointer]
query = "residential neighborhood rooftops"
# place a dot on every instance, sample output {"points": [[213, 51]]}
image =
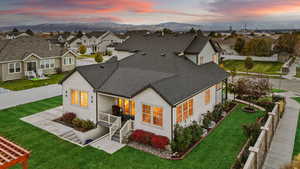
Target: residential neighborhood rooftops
{"points": [[155, 65], [18, 49]]}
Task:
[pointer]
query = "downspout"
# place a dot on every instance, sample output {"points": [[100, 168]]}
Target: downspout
{"points": [[172, 123], [97, 107]]}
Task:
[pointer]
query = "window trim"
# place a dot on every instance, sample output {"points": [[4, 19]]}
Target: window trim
{"points": [[189, 116], [66, 60], [152, 115], [14, 67], [205, 95], [44, 62], [79, 99]]}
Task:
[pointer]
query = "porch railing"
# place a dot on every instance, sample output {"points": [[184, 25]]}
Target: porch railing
{"points": [[109, 118], [113, 129], [127, 127]]}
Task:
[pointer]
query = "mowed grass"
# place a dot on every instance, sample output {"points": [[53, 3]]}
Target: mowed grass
{"points": [[297, 138], [259, 67], [279, 91], [23, 84], [217, 151], [298, 71], [297, 99]]}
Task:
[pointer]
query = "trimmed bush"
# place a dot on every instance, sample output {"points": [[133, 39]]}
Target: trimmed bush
{"points": [[252, 131], [183, 139], [217, 113], [159, 141], [197, 131], [87, 124], [141, 136], [77, 122], [207, 120], [68, 117]]}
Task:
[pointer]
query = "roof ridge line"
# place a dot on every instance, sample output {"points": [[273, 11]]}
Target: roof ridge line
{"points": [[109, 75]]}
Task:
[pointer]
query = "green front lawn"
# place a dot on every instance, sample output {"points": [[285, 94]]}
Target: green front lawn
{"points": [[259, 67], [87, 56], [297, 138], [23, 84], [217, 151], [279, 91], [297, 99], [298, 72]]}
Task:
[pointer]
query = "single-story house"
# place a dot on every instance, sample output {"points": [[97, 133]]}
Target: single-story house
{"points": [[15, 35], [31, 54], [167, 80]]}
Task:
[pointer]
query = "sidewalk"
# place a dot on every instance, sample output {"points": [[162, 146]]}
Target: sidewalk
{"points": [[282, 146], [15, 98]]}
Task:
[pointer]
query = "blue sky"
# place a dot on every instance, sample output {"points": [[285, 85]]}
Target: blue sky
{"points": [[18, 12]]}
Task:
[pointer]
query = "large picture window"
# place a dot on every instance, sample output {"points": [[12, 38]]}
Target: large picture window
{"points": [[79, 98], [153, 115], [184, 111], [128, 106], [68, 61], [47, 64]]}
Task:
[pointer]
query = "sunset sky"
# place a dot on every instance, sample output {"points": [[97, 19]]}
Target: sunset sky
{"points": [[18, 12]]}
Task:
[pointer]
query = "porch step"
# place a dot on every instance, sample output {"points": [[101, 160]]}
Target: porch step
{"points": [[116, 136], [71, 136], [104, 124]]}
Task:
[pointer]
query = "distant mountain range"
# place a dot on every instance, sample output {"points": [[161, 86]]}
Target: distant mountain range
{"points": [[103, 26]]}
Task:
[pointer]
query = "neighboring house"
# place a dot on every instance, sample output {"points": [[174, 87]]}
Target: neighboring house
{"points": [[31, 54], [166, 80], [65, 37], [94, 41], [15, 35]]}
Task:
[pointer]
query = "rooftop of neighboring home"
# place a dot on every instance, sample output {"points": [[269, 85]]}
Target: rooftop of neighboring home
{"points": [[20, 48], [157, 65]]}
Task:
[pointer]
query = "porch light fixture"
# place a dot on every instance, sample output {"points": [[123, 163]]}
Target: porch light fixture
{"points": [[92, 99]]}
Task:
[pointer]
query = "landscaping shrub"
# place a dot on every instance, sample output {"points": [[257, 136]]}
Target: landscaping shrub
{"points": [[68, 117], [277, 98], [267, 105], [197, 131], [217, 113], [141, 136], [87, 124], [207, 120], [77, 122], [159, 141], [228, 105], [252, 131], [182, 140]]}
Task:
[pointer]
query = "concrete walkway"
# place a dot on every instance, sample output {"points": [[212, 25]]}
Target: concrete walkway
{"points": [[282, 146], [16, 98]]}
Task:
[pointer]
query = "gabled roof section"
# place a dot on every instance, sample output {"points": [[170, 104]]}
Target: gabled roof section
{"points": [[97, 74], [18, 49], [197, 45]]}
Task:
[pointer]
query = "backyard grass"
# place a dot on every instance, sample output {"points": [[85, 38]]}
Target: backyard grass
{"points": [[278, 91], [259, 67], [297, 99], [217, 151], [87, 56], [23, 84], [297, 139]]}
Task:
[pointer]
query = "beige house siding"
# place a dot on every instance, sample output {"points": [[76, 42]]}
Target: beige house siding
{"points": [[6, 76], [65, 68], [1, 72]]}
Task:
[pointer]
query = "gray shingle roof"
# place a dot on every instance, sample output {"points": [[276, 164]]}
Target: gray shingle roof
{"points": [[197, 45], [18, 49], [174, 77]]}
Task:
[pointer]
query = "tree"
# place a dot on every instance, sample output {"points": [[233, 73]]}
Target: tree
{"points": [[248, 63], [82, 49], [239, 45], [286, 43], [192, 30], [15, 30], [98, 57], [167, 31], [199, 32], [29, 32]]}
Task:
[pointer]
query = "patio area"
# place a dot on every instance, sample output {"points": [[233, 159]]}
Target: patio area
{"points": [[44, 121]]}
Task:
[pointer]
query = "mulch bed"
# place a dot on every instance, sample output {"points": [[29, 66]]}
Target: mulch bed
{"points": [[71, 125]]}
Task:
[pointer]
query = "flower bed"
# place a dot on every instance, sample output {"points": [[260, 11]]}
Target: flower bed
{"points": [[147, 138], [70, 119]]}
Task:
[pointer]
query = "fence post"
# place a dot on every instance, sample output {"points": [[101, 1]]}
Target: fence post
{"points": [[266, 129], [255, 151], [272, 115]]}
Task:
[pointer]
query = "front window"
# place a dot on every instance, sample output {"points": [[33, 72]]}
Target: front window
{"points": [[18, 67], [83, 99], [79, 98], [207, 97], [158, 116], [201, 60], [48, 63], [184, 110], [128, 106], [146, 113], [68, 61], [11, 68]]}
